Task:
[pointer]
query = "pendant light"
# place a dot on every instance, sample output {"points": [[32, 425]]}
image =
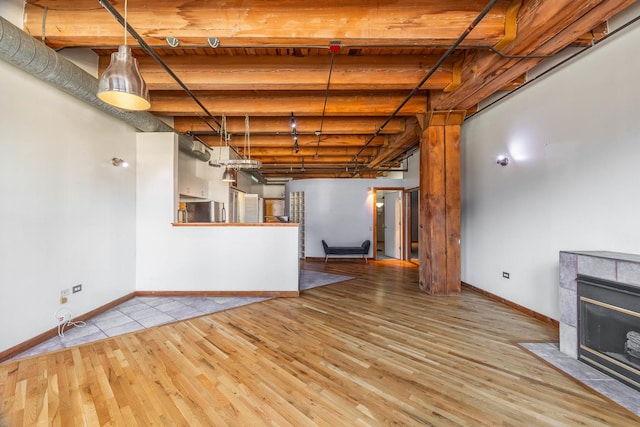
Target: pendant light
{"points": [[121, 84], [246, 162], [228, 175]]}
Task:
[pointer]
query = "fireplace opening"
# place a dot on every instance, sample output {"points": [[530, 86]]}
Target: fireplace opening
{"points": [[609, 328]]}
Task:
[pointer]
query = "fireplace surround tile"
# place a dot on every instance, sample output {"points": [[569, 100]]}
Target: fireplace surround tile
{"points": [[601, 383], [629, 272], [617, 392], [569, 340], [569, 307], [597, 267], [568, 270]]}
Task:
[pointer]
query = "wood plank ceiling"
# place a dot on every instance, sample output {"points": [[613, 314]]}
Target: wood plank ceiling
{"points": [[342, 67]]}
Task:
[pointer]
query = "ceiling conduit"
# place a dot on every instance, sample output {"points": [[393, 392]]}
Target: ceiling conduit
{"points": [[415, 90], [28, 54]]}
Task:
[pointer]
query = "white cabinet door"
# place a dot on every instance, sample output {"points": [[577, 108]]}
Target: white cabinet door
{"points": [[392, 224], [251, 208], [192, 186]]}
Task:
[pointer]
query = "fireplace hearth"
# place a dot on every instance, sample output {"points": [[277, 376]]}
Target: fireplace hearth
{"points": [[609, 328]]}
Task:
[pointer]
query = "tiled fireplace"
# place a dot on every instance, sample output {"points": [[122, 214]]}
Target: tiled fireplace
{"points": [[600, 311]]}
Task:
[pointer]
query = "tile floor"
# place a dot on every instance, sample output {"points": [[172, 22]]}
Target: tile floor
{"points": [[596, 380], [136, 314], [145, 312]]}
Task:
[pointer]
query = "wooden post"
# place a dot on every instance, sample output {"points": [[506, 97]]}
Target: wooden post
{"points": [[439, 236]]}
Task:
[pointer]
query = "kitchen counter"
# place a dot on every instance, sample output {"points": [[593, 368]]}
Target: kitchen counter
{"points": [[234, 224], [239, 258]]}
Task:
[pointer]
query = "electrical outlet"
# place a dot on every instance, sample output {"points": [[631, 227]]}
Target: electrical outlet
{"points": [[65, 293], [505, 274], [77, 288]]}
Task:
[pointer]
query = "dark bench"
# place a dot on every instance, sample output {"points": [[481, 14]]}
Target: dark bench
{"points": [[347, 250]]}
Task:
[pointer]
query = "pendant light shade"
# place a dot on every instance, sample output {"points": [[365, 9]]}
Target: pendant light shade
{"points": [[227, 176], [121, 84]]}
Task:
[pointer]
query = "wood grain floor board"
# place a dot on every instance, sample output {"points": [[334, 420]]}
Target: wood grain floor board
{"points": [[374, 350]]}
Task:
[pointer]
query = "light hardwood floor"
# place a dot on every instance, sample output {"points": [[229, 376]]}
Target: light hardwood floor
{"points": [[374, 350]]}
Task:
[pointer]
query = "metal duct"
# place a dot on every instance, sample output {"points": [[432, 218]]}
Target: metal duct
{"points": [[23, 51]]}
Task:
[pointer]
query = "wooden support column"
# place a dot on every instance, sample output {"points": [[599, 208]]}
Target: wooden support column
{"points": [[439, 235]]}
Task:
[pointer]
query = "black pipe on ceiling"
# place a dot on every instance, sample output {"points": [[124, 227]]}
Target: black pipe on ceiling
{"points": [[415, 90], [326, 97]]}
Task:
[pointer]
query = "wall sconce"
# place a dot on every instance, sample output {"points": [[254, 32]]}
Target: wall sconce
{"points": [[119, 162], [502, 160], [369, 190]]}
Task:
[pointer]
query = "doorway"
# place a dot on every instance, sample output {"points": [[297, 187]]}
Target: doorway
{"points": [[273, 208], [388, 221]]}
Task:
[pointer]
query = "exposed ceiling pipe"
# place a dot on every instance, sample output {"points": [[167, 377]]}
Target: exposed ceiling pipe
{"points": [[33, 57], [433, 69], [333, 51]]}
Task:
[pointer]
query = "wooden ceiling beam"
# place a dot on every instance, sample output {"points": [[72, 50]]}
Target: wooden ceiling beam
{"points": [[540, 22], [278, 103], [276, 141], [307, 151], [256, 22], [308, 160], [305, 125], [550, 26], [398, 144], [384, 72], [270, 168], [298, 174]]}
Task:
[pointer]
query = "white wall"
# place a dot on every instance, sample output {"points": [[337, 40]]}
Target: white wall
{"points": [[572, 137], [273, 191], [201, 258], [84, 58], [338, 211], [243, 182], [13, 11], [68, 215]]}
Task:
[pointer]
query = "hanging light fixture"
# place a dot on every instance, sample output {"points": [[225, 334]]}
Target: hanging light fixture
{"points": [[246, 162], [121, 84], [228, 175], [294, 131]]}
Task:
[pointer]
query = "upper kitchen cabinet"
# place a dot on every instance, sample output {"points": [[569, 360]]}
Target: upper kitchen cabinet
{"points": [[192, 186], [189, 183]]}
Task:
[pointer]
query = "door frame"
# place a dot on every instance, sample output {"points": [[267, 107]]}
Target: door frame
{"points": [[406, 248], [403, 215]]}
